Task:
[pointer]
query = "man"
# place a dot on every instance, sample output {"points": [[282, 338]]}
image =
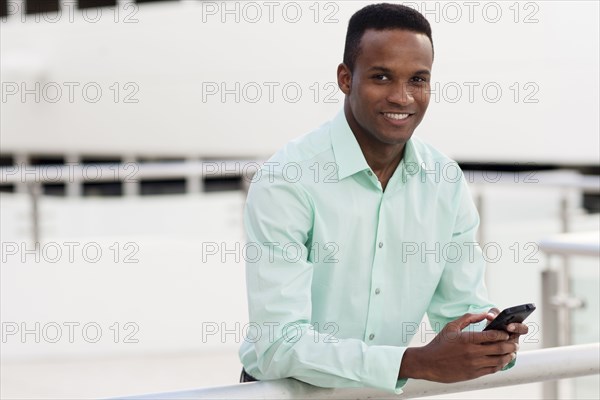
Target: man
{"points": [[349, 222]]}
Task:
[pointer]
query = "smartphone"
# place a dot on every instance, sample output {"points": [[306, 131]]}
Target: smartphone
{"points": [[510, 315]]}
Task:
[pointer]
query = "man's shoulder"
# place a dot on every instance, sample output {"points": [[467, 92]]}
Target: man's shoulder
{"points": [[304, 150], [429, 154], [434, 167]]}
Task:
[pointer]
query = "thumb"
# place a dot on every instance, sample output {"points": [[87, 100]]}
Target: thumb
{"points": [[491, 314], [466, 320]]}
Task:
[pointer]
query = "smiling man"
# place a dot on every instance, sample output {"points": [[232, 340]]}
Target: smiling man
{"points": [[353, 223], [386, 90]]}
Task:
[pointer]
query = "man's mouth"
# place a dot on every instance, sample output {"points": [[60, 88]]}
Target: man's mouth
{"points": [[396, 116]]}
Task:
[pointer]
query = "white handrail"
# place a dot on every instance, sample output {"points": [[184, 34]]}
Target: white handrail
{"points": [[77, 172], [566, 179], [129, 172], [532, 366]]}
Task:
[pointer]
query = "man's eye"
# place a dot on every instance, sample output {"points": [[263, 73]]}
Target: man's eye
{"points": [[381, 77], [418, 79]]}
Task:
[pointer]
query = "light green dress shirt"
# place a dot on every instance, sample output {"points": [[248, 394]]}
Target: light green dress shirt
{"points": [[340, 273]]}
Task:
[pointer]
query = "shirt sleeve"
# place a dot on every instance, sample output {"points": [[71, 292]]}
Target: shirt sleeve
{"points": [[278, 219], [462, 285]]}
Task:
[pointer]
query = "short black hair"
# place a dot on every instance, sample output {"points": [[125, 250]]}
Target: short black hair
{"points": [[381, 17]]}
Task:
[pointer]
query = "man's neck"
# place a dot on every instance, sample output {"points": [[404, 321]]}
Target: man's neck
{"points": [[383, 158]]}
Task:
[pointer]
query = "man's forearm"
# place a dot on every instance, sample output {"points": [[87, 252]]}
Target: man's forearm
{"points": [[409, 366]]}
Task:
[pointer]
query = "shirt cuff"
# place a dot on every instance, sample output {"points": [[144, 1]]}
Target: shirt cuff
{"points": [[510, 364], [382, 366], [400, 384]]}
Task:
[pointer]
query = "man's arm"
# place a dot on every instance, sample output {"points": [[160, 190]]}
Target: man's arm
{"points": [[461, 288], [278, 220], [454, 355]]}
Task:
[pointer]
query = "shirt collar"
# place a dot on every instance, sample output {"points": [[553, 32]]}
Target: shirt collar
{"points": [[348, 155], [350, 158], [411, 162]]}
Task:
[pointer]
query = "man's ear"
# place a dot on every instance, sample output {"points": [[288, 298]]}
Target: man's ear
{"points": [[344, 77]]}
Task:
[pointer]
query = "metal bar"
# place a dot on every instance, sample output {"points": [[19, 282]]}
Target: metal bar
{"points": [[21, 160], [564, 281], [194, 182], [549, 323], [480, 205], [113, 172], [131, 185], [35, 191], [129, 172], [567, 179], [532, 366], [585, 244], [73, 185]]}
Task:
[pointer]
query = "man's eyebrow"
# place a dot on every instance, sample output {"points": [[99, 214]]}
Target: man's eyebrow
{"points": [[389, 71], [423, 72], [382, 69]]}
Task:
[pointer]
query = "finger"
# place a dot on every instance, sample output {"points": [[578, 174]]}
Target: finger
{"points": [[487, 371], [466, 320], [500, 348], [499, 361], [514, 338], [487, 336], [518, 328], [492, 313], [507, 359], [493, 362]]}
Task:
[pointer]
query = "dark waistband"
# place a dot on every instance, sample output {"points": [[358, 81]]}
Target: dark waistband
{"points": [[246, 377]]}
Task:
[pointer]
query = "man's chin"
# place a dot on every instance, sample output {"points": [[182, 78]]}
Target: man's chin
{"points": [[396, 138]]}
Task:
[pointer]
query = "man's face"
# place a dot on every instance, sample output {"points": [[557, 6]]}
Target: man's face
{"points": [[388, 92]]}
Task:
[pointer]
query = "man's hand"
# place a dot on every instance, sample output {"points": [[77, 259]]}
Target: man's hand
{"points": [[515, 329], [454, 356]]}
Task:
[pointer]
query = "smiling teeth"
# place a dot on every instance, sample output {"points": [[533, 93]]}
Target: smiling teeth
{"points": [[396, 116]]}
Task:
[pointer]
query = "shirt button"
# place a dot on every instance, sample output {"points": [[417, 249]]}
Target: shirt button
{"points": [[371, 336], [377, 291], [380, 244], [369, 173]]}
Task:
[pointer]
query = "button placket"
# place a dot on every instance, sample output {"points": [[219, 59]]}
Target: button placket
{"points": [[376, 311]]}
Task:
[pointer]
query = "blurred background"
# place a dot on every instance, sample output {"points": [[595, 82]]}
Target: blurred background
{"points": [[130, 132]]}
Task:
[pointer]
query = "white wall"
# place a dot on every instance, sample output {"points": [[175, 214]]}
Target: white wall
{"points": [[175, 49], [160, 278]]}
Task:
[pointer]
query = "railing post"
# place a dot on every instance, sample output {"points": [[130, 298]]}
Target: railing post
{"points": [[35, 190], [480, 205], [194, 181], [22, 161], [131, 186], [549, 323], [564, 283], [74, 185], [557, 301]]}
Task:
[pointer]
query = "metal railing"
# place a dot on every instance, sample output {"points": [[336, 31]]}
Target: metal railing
{"points": [[532, 366], [29, 179], [558, 300]]}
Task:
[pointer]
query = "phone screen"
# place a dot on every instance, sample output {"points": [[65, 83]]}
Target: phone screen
{"points": [[510, 315]]}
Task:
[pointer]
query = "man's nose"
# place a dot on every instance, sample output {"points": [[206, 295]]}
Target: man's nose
{"points": [[401, 94]]}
